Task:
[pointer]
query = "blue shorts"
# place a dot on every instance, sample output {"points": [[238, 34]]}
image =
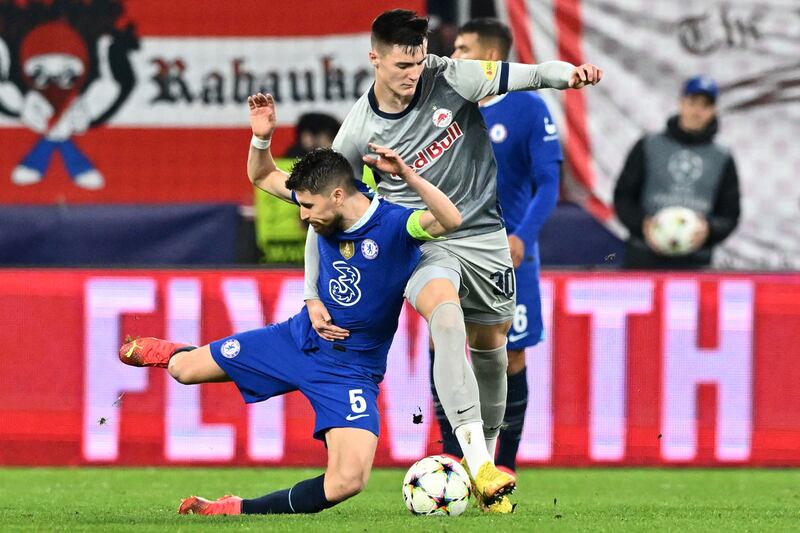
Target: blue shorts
{"points": [[527, 328], [266, 362]]}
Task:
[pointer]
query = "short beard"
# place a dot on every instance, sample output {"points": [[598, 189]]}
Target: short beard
{"points": [[329, 229]]}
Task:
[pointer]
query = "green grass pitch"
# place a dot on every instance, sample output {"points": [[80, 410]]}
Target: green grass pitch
{"points": [[146, 499]]}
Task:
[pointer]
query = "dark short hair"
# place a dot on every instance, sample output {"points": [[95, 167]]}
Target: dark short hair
{"points": [[491, 30], [320, 171], [317, 123], [399, 27]]}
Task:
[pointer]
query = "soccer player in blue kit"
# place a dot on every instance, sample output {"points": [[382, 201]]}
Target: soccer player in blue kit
{"points": [[368, 249], [525, 144]]}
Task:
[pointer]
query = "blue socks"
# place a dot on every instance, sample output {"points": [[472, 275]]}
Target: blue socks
{"points": [[511, 430], [307, 496]]}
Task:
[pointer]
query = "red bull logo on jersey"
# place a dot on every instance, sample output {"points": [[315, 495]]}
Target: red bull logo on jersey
{"points": [[431, 153], [442, 117]]}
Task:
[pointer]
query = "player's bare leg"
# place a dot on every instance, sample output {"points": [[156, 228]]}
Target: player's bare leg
{"points": [[196, 366], [350, 455]]}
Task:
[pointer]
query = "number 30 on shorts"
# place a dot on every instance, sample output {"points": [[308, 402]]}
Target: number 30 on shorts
{"points": [[504, 283]]}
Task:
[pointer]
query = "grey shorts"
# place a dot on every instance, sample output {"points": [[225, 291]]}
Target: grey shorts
{"points": [[479, 267]]}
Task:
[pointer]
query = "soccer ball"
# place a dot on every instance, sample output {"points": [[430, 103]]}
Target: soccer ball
{"points": [[436, 485], [672, 230]]}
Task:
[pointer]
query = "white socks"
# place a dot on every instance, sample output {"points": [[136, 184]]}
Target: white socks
{"points": [[473, 445]]}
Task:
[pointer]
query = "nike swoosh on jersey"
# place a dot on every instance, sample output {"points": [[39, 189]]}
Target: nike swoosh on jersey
{"points": [[515, 338], [350, 418]]}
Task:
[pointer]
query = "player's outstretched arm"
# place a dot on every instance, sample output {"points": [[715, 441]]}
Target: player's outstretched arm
{"points": [[442, 215], [261, 168], [553, 75], [475, 80]]}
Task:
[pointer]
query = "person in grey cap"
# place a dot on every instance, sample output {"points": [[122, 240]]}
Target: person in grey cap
{"points": [[681, 166]]}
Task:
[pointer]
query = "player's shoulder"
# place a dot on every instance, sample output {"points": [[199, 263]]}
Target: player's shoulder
{"points": [[436, 63], [353, 125], [387, 208], [391, 215], [439, 69], [359, 111]]}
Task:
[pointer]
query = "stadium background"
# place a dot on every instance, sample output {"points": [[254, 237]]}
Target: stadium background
{"points": [[645, 369]]}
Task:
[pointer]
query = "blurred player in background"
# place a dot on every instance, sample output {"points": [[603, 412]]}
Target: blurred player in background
{"points": [[528, 155], [313, 130], [425, 108], [279, 232], [369, 249]]}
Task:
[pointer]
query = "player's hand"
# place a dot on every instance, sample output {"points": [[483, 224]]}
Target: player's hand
{"points": [[322, 323], [586, 74], [517, 248], [262, 115], [386, 160], [699, 237]]}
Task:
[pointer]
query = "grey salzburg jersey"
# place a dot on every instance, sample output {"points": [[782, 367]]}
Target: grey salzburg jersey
{"points": [[441, 135]]}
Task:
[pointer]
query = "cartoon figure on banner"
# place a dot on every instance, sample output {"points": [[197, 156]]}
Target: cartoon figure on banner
{"points": [[64, 68]]}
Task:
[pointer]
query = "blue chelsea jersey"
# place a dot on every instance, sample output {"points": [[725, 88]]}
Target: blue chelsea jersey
{"points": [[523, 135], [363, 274]]}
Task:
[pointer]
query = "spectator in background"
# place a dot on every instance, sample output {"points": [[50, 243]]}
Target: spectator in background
{"points": [[279, 232], [681, 166], [313, 130]]}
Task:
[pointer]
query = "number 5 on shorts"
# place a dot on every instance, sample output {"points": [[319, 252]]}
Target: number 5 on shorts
{"points": [[357, 402]]}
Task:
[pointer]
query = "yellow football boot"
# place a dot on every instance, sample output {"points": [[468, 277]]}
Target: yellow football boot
{"points": [[491, 488]]}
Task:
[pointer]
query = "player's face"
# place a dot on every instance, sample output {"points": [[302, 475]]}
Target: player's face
{"points": [[398, 68], [467, 46], [696, 112], [321, 211]]}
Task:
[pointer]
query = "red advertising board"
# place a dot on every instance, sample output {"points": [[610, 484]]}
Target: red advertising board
{"points": [[637, 369]]}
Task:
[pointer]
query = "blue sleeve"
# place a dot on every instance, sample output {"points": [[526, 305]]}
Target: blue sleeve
{"points": [[544, 144], [403, 215], [545, 157]]}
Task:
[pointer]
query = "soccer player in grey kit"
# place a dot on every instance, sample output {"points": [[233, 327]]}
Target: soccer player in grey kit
{"points": [[426, 109]]}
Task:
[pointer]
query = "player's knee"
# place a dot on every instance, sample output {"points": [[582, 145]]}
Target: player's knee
{"points": [[433, 294], [489, 362], [447, 322], [346, 483], [516, 361], [488, 337], [181, 371]]}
